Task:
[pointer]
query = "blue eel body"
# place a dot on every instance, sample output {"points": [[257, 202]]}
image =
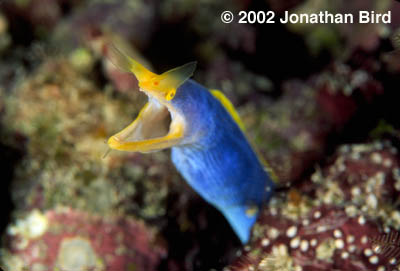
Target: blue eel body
{"points": [[216, 159]]}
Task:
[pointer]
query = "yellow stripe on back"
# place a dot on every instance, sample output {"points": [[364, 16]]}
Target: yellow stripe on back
{"points": [[235, 116], [228, 106]]}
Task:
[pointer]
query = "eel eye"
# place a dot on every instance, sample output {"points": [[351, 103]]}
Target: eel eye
{"points": [[170, 95]]}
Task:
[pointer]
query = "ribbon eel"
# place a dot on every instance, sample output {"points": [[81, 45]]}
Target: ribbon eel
{"points": [[206, 136]]}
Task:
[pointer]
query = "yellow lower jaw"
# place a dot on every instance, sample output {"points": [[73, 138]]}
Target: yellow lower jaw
{"points": [[154, 144]]}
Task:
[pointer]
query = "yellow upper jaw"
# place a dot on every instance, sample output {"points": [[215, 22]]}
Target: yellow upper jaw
{"points": [[162, 85]]}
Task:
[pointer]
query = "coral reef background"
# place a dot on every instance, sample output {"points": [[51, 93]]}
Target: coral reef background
{"points": [[319, 102]]}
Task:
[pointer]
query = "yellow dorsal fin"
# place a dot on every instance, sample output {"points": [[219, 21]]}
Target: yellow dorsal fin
{"points": [[234, 114], [229, 107]]}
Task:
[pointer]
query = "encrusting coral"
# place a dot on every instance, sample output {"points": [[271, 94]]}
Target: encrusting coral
{"points": [[328, 222], [66, 239]]}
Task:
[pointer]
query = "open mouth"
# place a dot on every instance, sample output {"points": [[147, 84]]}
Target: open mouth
{"points": [[155, 128], [153, 121]]}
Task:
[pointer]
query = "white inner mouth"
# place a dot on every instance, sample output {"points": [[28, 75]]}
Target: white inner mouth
{"points": [[153, 122]]}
